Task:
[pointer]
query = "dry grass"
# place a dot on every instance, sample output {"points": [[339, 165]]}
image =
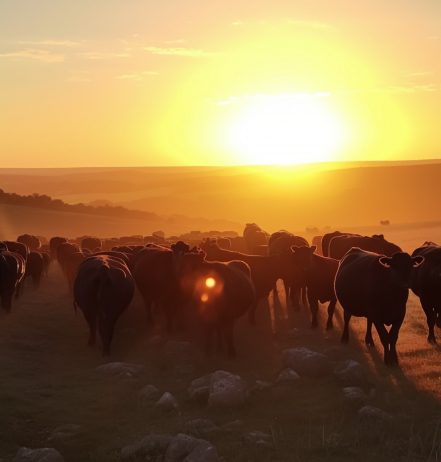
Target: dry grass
{"points": [[48, 378]]}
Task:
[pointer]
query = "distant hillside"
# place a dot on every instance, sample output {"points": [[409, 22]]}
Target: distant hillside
{"points": [[40, 214], [42, 201], [338, 195]]}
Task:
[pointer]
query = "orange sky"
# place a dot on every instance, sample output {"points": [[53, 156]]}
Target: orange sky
{"points": [[221, 82]]}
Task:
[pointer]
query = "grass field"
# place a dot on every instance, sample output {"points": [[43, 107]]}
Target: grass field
{"points": [[48, 379]]}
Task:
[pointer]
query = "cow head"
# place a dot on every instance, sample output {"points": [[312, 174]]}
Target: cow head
{"points": [[401, 265], [302, 256]]}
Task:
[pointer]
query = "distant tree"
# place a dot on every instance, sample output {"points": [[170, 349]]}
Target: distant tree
{"points": [[384, 222]]}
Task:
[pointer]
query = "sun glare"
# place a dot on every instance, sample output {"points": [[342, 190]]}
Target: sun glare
{"points": [[285, 129]]}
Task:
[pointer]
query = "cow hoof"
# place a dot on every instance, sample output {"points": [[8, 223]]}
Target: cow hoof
{"points": [[344, 340], [329, 326]]}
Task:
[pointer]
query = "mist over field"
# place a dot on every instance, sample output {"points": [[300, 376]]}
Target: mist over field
{"points": [[225, 198]]}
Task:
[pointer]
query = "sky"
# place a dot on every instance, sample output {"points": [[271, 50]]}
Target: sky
{"points": [[185, 82]]}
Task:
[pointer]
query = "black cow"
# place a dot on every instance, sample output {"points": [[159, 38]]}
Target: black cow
{"points": [[103, 289], [35, 267], [12, 268], [319, 274], [221, 293], [426, 284], [376, 287], [339, 245]]}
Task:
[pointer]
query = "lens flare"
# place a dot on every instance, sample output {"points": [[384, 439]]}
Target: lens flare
{"points": [[210, 282]]}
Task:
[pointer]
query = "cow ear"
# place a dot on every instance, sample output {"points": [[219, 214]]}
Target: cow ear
{"points": [[385, 261], [313, 248], [418, 261]]}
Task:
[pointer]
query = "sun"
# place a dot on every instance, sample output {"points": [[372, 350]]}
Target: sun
{"points": [[284, 129]]}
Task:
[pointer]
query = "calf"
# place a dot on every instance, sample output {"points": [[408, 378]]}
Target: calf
{"points": [[376, 287], [319, 274]]}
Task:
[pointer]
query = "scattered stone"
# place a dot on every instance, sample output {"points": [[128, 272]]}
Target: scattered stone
{"points": [[148, 393], [373, 415], [259, 439], [166, 448], [152, 447], [306, 362], [354, 396], [260, 385], [187, 448], [219, 389], [64, 432], [121, 370], [38, 455], [167, 402], [233, 426], [288, 377], [350, 373], [201, 427], [199, 389], [226, 390]]}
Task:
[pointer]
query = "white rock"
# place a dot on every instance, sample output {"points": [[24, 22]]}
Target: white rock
{"points": [[167, 402], [187, 448], [350, 373], [226, 390], [152, 447], [306, 362], [148, 393], [38, 455], [354, 395], [64, 432], [201, 427], [374, 415], [288, 377], [121, 370], [261, 385], [258, 438], [199, 389]]}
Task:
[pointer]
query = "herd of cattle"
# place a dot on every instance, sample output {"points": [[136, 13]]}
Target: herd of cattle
{"points": [[221, 279]]}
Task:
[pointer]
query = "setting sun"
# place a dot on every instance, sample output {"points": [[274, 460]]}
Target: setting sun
{"points": [[285, 129]]}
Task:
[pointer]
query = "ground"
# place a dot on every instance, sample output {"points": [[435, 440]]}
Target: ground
{"points": [[48, 378]]}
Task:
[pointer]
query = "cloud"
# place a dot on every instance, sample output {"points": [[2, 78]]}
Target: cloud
{"points": [[103, 55], [310, 24], [51, 43], [178, 51], [137, 76], [45, 56], [237, 23], [271, 97]]}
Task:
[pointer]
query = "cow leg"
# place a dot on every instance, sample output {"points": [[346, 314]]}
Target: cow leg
{"points": [[393, 337], [252, 313], [229, 336], [148, 309], [6, 300], [431, 319], [345, 336], [304, 295], [368, 338], [331, 309], [209, 331], [313, 305], [384, 337], [295, 296]]}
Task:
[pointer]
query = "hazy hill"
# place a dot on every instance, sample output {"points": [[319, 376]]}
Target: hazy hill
{"points": [[353, 194]]}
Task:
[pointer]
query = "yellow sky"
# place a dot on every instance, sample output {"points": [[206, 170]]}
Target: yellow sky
{"points": [[133, 83]]}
